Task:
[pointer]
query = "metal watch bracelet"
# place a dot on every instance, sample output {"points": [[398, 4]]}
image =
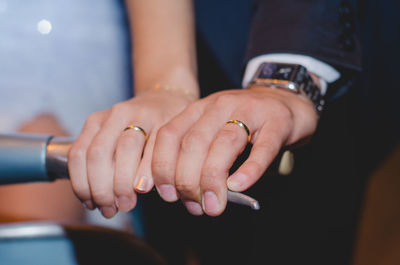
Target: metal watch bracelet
{"points": [[292, 77]]}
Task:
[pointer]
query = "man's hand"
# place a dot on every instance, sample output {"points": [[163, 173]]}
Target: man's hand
{"points": [[194, 151]]}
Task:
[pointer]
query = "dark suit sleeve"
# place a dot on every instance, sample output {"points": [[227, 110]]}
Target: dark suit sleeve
{"points": [[324, 29]]}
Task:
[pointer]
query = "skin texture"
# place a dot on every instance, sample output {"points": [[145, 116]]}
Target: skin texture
{"points": [[106, 163], [195, 150], [190, 147]]}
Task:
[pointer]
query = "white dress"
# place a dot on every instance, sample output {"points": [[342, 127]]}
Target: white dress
{"points": [[69, 58], [65, 57]]}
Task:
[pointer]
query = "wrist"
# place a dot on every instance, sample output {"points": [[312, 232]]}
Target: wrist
{"points": [[293, 101], [176, 80], [186, 92], [293, 78]]}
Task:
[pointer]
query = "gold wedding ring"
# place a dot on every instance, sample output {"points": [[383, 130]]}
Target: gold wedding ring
{"points": [[137, 128], [241, 124]]}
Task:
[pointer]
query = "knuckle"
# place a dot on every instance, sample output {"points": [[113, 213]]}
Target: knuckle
{"points": [[76, 153], [211, 172], [255, 168], [224, 100], [210, 178], [167, 131], [254, 104], [185, 187], [308, 118], [94, 121], [82, 192], [286, 113], [191, 140], [95, 152], [162, 170], [94, 118], [117, 108], [280, 109], [102, 197], [194, 106], [119, 111]]}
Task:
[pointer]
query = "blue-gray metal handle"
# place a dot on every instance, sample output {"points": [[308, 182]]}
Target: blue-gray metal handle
{"points": [[23, 158]]}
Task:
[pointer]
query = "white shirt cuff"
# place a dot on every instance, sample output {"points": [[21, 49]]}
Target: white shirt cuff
{"points": [[327, 73]]}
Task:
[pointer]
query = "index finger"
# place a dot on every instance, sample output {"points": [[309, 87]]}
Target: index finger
{"points": [[166, 150], [77, 158], [266, 147]]}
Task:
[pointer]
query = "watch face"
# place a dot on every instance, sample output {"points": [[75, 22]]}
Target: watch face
{"points": [[293, 77], [277, 71]]}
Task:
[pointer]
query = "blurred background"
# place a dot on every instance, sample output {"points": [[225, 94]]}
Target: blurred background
{"points": [[60, 62]]}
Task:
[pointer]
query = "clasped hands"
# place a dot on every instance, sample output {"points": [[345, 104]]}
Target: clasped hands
{"points": [[190, 147]]}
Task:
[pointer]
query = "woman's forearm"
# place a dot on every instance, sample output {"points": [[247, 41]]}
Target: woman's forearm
{"points": [[163, 45]]}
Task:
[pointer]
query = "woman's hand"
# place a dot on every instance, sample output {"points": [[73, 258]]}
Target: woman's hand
{"points": [[107, 163], [194, 151]]}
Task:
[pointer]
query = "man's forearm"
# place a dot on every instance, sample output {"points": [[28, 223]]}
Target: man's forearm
{"points": [[163, 44]]}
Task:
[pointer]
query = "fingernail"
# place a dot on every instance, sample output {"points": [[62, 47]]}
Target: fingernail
{"points": [[210, 203], [236, 181], [108, 211], [286, 164], [168, 192], [144, 184], [193, 207], [88, 204], [124, 203]]}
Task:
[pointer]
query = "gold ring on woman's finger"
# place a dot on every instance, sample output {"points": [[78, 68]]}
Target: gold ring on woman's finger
{"points": [[137, 128]]}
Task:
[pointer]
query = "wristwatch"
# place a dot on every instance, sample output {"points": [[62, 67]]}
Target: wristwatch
{"points": [[291, 77]]}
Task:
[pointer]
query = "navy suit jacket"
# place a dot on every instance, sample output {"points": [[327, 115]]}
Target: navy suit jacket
{"points": [[311, 216]]}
